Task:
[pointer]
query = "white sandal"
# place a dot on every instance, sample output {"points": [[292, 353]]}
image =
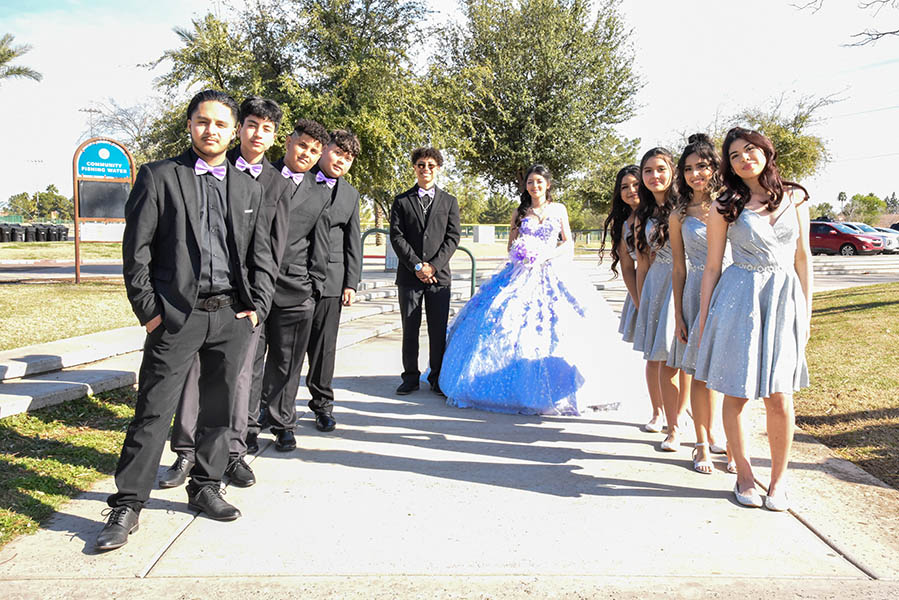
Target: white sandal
{"points": [[701, 466]]}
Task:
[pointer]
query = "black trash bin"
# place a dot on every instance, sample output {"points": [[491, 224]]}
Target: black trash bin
{"points": [[63, 233], [4, 232], [16, 233], [40, 233], [52, 233], [29, 233]]}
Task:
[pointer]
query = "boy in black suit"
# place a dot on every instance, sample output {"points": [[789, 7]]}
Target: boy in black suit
{"points": [[259, 121], [301, 279], [343, 274], [424, 232], [196, 254]]}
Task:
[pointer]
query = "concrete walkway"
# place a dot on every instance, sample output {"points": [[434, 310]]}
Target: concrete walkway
{"points": [[409, 498]]}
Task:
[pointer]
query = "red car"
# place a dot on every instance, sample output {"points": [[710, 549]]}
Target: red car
{"points": [[835, 238]]}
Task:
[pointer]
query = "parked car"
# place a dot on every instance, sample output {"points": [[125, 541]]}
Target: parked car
{"points": [[890, 243], [895, 226], [891, 233], [830, 237]]}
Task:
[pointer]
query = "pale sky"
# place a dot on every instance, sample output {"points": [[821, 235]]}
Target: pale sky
{"points": [[698, 59]]}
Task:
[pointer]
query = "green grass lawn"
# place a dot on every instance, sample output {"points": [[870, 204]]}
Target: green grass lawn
{"points": [[41, 312], [51, 455], [852, 404], [59, 251]]}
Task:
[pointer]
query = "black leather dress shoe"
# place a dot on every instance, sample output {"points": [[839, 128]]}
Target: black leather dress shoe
{"points": [[239, 473], [325, 422], [407, 387], [208, 499], [285, 441], [252, 443], [122, 522], [177, 473], [435, 387]]}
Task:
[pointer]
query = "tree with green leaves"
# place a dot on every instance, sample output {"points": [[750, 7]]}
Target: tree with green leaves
{"points": [[824, 210], [9, 53], [536, 81], [41, 206], [892, 204], [344, 63], [864, 207], [800, 153], [472, 194]]}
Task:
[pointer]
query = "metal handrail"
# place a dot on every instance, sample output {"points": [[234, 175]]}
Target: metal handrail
{"points": [[474, 262]]}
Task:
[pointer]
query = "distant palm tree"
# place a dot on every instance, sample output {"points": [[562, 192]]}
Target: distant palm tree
{"points": [[9, 53]]}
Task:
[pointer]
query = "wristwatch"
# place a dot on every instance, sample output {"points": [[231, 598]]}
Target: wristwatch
{"points": [[418, 267]]}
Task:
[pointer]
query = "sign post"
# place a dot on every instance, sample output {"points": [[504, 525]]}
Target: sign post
{"points": [[102, 173]]}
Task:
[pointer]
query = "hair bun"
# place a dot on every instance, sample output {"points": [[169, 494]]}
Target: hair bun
{"points": [[698, 138]]}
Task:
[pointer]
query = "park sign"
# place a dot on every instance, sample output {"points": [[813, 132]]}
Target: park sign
{"points": [[102, 173], [104, 159]]}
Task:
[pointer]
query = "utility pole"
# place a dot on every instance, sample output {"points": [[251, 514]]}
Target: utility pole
{"points": [[91, 112]]}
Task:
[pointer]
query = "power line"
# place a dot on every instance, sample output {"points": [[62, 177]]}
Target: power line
{"points": [[866, 157], [863, 112]]}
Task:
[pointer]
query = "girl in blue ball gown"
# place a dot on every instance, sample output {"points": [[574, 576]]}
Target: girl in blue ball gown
{"points": [[537, 338]]}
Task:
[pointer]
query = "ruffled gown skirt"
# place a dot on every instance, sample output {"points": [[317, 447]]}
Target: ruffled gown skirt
{"points": [[536, 340]]}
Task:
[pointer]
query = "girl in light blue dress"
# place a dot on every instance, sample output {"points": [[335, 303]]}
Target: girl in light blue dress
{"points": [[619, 226], [654, 329], [697, 182], [527, 341], [755, 314]]}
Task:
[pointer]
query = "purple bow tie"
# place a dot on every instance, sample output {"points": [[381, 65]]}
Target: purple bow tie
{"points": [[202, 167], [288, 174], [243, 165], [319, 177], [422, 193]]}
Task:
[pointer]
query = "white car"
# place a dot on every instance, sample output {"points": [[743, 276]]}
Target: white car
{"points": [[889, 233], [890, 242]]}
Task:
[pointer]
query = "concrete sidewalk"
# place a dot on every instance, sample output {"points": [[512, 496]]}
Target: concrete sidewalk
{"points": [[409, 498]]}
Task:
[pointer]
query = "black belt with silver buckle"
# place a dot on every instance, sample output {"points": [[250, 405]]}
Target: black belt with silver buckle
{"points": [[213, 303]]}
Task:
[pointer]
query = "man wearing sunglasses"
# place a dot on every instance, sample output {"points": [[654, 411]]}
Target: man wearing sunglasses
{"points": [[424, 231]]}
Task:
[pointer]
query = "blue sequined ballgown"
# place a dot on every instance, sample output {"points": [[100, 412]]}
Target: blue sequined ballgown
{"points": [[753, 342], [537, 338]]}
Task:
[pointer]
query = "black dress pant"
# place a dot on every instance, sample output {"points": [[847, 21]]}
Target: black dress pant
{"points": [[286, 337], [184, 429], [220, 340], [436, 301], [322, 354]]}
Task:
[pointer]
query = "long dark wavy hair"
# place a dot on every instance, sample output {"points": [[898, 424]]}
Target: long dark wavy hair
{"points": [[650, 209], [701, 145], [526, 197], [736, 193], [618, 214]]}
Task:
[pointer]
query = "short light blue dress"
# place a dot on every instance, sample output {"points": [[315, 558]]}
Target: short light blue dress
{"points": [[537, 338], [753, 343], [654, 328], [628, 312], [693, 231]]}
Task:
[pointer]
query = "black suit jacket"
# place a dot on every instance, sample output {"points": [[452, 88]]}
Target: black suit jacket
{"points": [[304, 263], [160, 249], [276, 195], [418, 239], [345, 240]]}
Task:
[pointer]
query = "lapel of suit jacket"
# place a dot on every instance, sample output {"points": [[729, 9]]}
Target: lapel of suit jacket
{"points": [[188, 183]]}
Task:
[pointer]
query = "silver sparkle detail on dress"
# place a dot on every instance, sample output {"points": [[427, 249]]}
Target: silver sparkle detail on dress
{"points": [[654, 328], [753, 344], [628, 311]]}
